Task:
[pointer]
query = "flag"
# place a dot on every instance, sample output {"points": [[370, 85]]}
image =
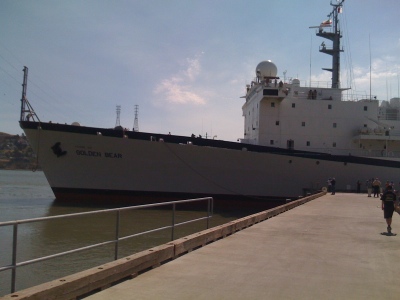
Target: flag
{"points": [[340, 9], [326, 23]]}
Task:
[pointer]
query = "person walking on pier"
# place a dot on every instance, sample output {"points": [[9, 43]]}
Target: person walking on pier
{"points": [[388, 199], [329, 183], [333, 186], [376, 186]]}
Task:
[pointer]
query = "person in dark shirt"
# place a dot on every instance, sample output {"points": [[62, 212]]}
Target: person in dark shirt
{"points": [[333, 186], [388, 198]]}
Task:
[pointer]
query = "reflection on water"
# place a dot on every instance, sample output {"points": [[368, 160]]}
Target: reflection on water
{"points": [[25, 195]]}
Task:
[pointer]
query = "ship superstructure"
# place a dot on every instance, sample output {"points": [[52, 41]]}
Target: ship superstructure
{"points": [[315, 118]]}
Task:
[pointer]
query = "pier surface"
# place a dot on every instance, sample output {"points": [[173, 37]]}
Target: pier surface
{"points": [[329, 248]]}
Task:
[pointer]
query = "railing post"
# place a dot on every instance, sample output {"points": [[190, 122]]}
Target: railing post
{"points": [[117, 235], [14, 257], [208, 212], [173, 222]]}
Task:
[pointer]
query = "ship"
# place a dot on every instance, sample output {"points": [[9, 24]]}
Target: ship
{"points": [[296, 137]]}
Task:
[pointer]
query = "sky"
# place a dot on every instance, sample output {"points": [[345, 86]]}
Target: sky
{"points": [[185, 63]]}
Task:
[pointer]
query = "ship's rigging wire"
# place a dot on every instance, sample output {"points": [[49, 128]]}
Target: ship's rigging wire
{"points": [[189, 166], [348, 58], [208, 178], [44, 98], [16, 80]]}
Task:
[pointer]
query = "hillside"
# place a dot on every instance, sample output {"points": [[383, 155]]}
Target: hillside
{"points": [[16, 153]]}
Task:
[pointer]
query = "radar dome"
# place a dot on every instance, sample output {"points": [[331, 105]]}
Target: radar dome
{"points": [[266, 68], [296, 82], [384, 103]]}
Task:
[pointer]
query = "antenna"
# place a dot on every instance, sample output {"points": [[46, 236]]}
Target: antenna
{"points": [[117, 122], [398, 94], [136, 122], [370, 68], [310, 58]]}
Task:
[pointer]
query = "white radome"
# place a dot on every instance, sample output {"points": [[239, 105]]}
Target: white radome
{"points": [[266, 68]]}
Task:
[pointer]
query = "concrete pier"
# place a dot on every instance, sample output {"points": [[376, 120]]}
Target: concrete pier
{"points": [[329, 248]]}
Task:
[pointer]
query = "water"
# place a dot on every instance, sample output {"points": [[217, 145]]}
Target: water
{"points": [[26, 195]]}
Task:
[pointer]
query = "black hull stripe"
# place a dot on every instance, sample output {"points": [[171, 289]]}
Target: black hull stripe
{"points": [[117, 197]]}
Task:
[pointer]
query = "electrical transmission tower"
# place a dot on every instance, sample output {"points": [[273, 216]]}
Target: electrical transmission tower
{"points": [[117, 122], [136, 122]]}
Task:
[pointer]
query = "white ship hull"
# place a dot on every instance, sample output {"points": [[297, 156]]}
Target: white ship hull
{"points": [[97, 165]]}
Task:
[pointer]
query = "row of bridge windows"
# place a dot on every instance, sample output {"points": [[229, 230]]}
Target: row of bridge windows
{"points": [[303, 124]]}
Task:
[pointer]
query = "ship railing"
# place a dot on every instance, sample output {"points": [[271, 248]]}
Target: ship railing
{"points": [[361, 152], [317, 84], [380, 132], [358, 97], [393, 116], [347, 95], [15, 264], [394, 133], [380, 153]]}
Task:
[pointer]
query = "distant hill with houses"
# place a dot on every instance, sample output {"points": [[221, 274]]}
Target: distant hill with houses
{"points": [[16, 153]]}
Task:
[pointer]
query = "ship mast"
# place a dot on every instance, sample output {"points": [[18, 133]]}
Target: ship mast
{"points": [[23, 99], [335, 37], [25, 106]]}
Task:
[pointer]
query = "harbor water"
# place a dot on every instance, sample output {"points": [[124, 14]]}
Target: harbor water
{"points": [[26, 195]]}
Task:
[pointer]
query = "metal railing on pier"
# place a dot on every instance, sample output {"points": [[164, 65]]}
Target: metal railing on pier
{"points": [[15, 264]]}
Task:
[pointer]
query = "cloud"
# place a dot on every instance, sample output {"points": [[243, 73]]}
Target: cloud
{"points": [[179, 89], [381, 83], [322, 79], [193, 69]]}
